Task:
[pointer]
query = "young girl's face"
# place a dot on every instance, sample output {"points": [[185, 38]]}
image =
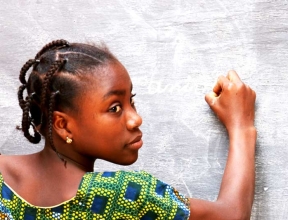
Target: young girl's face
{"points": [[107, 124]]}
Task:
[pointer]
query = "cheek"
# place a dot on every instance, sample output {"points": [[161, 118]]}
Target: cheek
{"points": [[103, 129]]}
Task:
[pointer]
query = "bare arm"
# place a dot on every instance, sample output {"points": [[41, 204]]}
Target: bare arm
{"points": [[233, 102]]}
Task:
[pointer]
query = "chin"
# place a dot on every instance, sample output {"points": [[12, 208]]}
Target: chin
{"points": [[127, 161]]}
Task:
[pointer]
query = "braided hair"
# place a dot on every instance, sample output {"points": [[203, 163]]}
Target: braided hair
{"points": [[58, 70]]}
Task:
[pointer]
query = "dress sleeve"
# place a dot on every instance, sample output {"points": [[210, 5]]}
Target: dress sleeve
{"points": [[156, 199]]}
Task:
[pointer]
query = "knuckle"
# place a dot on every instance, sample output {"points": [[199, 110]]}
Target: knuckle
{"points": [[219, 78], [242, 86], [229, 85], [231, 72]]}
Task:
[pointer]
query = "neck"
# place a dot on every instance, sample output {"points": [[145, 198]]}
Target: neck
{"points": [[68, 161], [65, 159]]}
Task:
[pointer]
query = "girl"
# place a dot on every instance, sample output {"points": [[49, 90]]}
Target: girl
{"points": [[79, 98]]}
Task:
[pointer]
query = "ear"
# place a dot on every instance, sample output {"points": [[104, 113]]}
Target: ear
{"points": [[61, 125]]}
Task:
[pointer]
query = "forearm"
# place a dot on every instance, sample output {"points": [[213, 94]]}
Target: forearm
{"points": [[236, 194], [237, 188]]}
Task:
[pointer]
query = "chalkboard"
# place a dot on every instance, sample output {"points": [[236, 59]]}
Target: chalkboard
{"points": [[174, 51]]}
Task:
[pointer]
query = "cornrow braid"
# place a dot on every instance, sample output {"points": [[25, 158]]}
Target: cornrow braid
{"points": [[27, 122], [22, 79], [44, 80], [25, 68], [50, 119], [20, 96], [82, 54], [53, 69], [52, 45]]}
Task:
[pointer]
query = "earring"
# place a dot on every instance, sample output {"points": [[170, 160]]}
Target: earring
{"points": [[68, 140]]}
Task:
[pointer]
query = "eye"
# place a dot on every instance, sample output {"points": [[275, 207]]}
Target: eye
{"points": [[116, 108], [132, 101]]}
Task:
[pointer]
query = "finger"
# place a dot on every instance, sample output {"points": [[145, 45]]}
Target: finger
{"points": [[211, 98], [221, 81], [233, 76]]}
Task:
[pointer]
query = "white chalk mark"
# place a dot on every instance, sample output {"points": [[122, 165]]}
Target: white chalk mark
{"points": [[187, 188]]}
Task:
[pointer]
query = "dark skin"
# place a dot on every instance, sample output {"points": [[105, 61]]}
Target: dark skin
{"points": [[106, 116], [233, 102], [110, 127]]}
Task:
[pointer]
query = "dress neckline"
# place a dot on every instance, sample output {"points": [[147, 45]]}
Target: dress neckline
{"points": [[44, 207]]}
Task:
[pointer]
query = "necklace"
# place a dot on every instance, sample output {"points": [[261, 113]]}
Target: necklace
{"points": [[65, 158]]}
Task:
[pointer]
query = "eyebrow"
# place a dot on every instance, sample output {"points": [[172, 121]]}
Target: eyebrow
{"points": [[115, 92]]}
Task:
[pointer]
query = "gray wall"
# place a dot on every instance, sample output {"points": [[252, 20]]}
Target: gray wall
{"points": [[174, 51]]}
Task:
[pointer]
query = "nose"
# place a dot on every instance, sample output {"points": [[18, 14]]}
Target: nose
{"points": [[134, 120]]}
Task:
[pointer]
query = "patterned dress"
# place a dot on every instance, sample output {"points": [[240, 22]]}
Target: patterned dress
{"points": [[117, 195]]}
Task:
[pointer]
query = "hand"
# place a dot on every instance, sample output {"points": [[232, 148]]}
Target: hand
{"points": [[233, 102]]}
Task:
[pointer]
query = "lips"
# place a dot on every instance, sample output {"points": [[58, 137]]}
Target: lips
{"points": [[138, 138], [136, 143]]}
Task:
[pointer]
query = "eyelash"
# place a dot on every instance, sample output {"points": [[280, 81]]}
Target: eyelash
{"points": [[132, 99], [114, 108]]}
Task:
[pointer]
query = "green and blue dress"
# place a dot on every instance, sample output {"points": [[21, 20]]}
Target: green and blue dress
{"points": [[117, 195]]}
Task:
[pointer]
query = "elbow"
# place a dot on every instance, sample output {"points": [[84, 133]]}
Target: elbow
{"points": [[237, 211], [241, 216], [243, 211]]}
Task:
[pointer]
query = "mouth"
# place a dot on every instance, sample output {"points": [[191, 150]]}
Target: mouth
{"points": [[136, 143]]}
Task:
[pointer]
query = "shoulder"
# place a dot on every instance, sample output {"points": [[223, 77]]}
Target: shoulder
{"points": [[119, 176], [11, 167], [137, 190], [134, 183], [5, 162], [118, 180]]}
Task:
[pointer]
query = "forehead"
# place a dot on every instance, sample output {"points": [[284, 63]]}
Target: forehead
{"points": [[110, 77]]}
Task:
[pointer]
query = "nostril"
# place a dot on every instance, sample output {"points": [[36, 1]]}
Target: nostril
{"points": [[135, 121]]}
